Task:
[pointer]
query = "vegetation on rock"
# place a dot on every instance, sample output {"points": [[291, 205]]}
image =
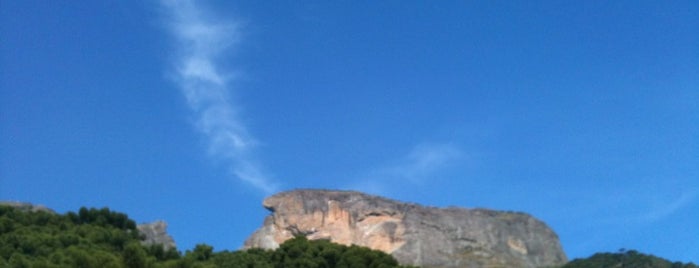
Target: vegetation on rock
{"points": [[104, 238]]}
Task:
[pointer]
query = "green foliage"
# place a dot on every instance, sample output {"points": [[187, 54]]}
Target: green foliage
{"points": [[623, 258], [90, 238], [301, 252], [135, 256], [257, 258], [201, 252], [103, 238]]}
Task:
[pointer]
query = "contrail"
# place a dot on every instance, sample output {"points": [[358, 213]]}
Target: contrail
{"points": [[201, 39]]}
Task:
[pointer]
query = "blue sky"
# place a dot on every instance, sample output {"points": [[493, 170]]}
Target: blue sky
{"points": [[584, 114]]}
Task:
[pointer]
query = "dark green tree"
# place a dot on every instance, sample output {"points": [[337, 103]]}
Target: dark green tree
{"points": [[135, 256], [625, 258]]}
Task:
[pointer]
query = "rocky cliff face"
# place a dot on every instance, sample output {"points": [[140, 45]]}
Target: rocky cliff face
{"points": [[413, 234]]}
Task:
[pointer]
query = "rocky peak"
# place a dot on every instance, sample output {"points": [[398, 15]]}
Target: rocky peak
{"points": [[413, 234], [156, 233]]}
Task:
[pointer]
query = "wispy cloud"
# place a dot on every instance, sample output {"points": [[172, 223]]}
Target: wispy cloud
{"points": [[201, 39], [420, 163], [667, 209], [423, 161]]}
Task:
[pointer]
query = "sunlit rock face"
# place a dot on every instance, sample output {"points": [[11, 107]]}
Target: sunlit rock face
{"points": [[413, 234]]}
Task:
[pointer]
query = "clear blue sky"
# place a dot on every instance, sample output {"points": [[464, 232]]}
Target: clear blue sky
{"points": [[584, 114]]}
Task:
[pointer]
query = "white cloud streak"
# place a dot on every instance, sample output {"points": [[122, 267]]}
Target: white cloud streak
{"points": [[421, 163], [667, 209], [201, 39]]}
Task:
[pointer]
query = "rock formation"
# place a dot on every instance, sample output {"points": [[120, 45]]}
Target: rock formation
{"points": [[413, 234], [29, 207], [156, 233]]}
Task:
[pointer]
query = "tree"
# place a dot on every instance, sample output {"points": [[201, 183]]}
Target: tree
{"points": [[134, 256], [201, 252]]}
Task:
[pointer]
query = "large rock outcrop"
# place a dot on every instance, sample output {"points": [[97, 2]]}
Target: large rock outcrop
{"points": [[413, 234]]}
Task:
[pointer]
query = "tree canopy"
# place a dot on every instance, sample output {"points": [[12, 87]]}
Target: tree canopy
{"points": [[626, 258], [104, 238]]}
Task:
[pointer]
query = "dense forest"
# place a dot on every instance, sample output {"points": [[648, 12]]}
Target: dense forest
{"points": [[104, 238]]}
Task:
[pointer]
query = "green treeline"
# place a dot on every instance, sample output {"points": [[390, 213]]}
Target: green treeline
{"points": [[104, 238], [624, 258]]}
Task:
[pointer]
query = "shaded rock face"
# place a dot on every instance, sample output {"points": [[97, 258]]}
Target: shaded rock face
{"points": [[413, 234], [156, 233]]}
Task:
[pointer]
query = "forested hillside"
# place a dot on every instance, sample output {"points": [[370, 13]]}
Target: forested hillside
{"points": [[104, 238]]}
